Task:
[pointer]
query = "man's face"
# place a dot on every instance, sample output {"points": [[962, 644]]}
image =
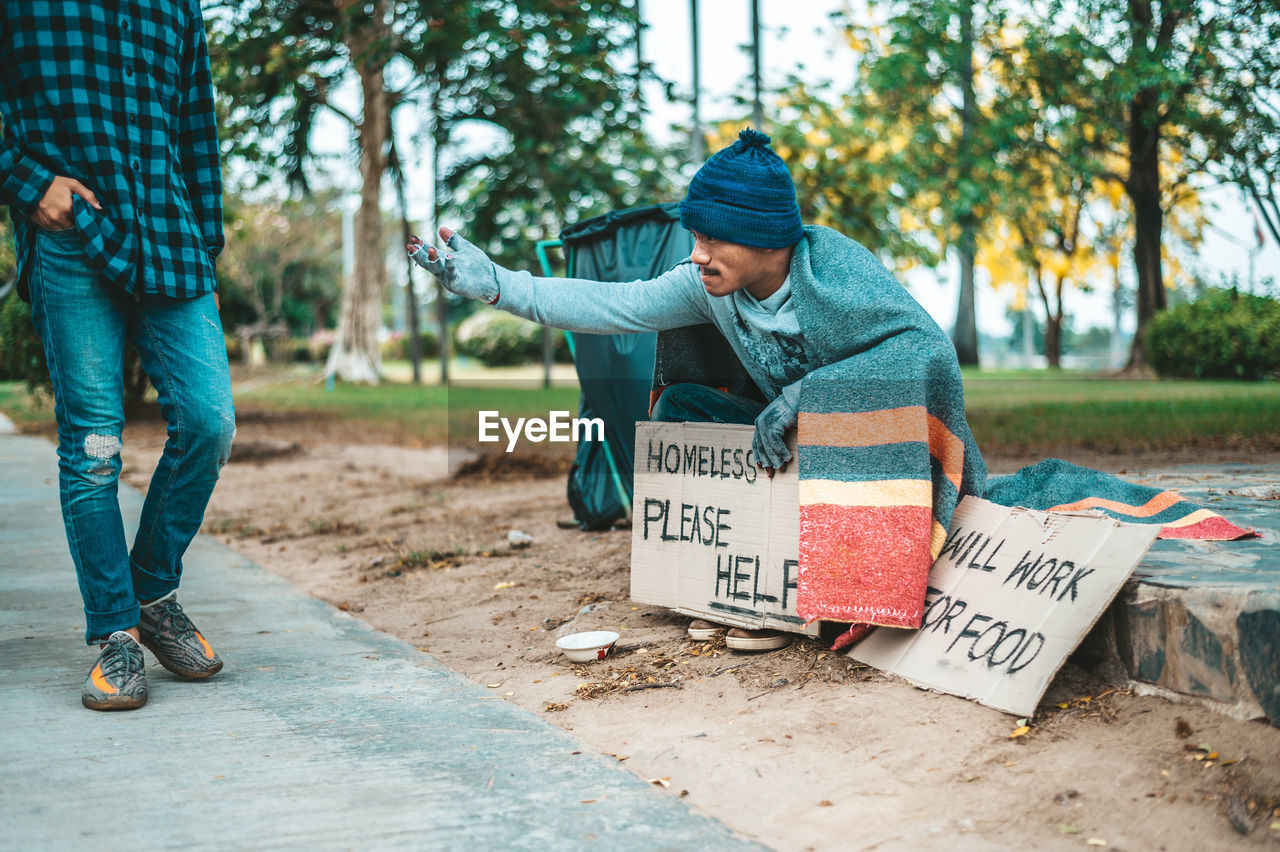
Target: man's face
{"points": [[727, 267]]}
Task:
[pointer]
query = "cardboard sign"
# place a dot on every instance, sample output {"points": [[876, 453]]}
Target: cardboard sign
{"points": [[713, 536], [1012, 594]]}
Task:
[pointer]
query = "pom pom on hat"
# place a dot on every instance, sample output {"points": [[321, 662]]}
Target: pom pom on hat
{"points": [[752, 138], [744, 195]]}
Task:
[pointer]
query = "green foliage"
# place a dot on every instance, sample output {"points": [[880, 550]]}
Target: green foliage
{"points": [[397, 348], [572, 144], [1162, 91], [1222, 334], [8, 260], [21, 353], [282, 267], [498, 339], [909, 91], [848, 175]]}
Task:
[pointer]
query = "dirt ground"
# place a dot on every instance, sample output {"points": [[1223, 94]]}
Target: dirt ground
{"points": [[798, 748]]}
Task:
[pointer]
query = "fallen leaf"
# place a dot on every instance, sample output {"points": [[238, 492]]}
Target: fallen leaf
{"points": [[660, 782], [825, 803], [1020, 732], [1063, 828], [507, 585], [1062, 705], [1095, 841], [493, 685], [588, 801], [1213, 755]]}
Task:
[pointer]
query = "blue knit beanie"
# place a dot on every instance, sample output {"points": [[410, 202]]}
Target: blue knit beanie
{"points": [[744, 195]]}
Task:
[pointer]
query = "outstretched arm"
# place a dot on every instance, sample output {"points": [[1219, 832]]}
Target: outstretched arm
{"points": [[673, 300]]}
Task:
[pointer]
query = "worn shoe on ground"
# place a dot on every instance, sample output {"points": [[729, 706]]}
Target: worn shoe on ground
{"points": [[118, 680], [171, 636], [740, 639], [701, 630]]}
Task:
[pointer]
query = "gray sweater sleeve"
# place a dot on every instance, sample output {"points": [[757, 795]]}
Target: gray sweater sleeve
{"points": [[673, 300]]}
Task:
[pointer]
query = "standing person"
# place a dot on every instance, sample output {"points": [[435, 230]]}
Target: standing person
{"points": [[833, 344], [109, 166]]}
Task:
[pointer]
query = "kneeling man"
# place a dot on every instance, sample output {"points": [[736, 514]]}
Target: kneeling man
{"points": [[825, 333]]}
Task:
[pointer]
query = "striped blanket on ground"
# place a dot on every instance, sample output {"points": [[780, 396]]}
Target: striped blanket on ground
{"points": [[1055, 485]]}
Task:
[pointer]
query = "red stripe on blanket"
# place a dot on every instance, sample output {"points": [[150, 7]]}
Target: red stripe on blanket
{"points": [[865, 564], [1216, 528]]}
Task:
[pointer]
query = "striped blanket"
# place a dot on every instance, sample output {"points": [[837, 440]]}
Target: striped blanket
{"points": [[885, 453], [1055, 485]]}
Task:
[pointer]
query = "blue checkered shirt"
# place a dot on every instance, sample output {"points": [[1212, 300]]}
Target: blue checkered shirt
{"points": [[118, 96]]}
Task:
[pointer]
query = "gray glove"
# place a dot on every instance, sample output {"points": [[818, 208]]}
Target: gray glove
{"points": [[464, 270], [769, 442]]}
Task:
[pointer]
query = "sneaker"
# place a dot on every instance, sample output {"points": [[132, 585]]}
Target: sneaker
{"points": [[171, 636], [701, 630], [118, 681], [756, 640]]}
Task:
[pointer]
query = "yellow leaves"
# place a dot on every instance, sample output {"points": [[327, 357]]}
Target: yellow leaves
{"points": [[1058, 265], [856, 43], [1020, 732], [817, 138]]}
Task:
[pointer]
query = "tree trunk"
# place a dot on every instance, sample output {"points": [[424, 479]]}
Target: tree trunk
{"points": [[413, 332], [1143, 188], [355, 356], [965, 335], [433, 226], [1143, 184], [1053, 328]]}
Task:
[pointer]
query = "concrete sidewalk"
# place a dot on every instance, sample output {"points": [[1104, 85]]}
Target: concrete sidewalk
{"points": [[320, 732]]}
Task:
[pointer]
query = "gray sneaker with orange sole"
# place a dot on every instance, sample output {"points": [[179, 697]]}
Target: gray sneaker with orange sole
{"points": [[171, 636], [118, 680]]}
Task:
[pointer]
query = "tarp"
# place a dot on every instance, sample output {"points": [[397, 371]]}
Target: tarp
{"points": [[616, 370]]}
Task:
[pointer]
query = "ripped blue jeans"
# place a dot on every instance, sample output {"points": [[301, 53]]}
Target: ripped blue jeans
{"points": [[83, 323]]}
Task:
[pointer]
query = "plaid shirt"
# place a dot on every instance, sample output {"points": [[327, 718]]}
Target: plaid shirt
{"points": [[118, 96]]}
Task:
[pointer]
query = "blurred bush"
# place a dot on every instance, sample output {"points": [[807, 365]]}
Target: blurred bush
{"points": [[21, 354], [1223, 334], [498, 339], [397, 348]]}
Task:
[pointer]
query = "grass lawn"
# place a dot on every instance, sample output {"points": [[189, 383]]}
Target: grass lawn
{"points": [[432, 413], [1011, 411], [1040, 411]]}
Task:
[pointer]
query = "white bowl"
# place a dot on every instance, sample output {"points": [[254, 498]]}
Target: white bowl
{"points": [[585, 647]]}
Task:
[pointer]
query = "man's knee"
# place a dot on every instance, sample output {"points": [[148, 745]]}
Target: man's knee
{"points": [[678, 403], [96, 461], [210, 431]]}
